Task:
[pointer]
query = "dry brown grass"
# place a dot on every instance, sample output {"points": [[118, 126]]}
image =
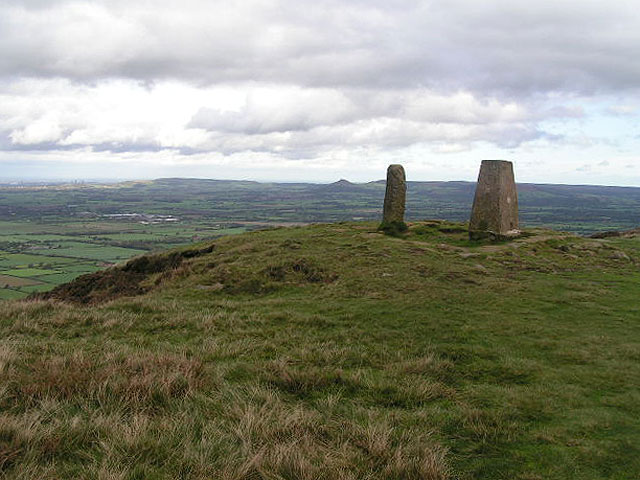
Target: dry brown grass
{"points": [[142, 381], [117, 413], [278, 442]]}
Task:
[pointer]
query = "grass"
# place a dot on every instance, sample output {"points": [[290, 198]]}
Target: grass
{"points": [[336, 352], [10, 281], [94, 251], [57, 278], [10, 294], [9, 260], [28, 272]]}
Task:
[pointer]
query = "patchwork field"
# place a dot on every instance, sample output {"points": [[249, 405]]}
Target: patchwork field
{"points": [[36, 256]]}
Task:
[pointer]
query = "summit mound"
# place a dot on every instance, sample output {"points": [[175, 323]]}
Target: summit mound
{"points": [[333, 351]]}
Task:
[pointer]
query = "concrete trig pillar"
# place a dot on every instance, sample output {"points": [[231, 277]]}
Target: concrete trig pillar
{"points": [[495, 206]]}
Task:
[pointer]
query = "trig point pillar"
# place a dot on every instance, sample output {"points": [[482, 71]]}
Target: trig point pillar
{"points": [[495, 206], [394, 198]]}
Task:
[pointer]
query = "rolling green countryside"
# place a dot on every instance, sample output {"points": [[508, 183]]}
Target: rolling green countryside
{"points": [[50, 234]]}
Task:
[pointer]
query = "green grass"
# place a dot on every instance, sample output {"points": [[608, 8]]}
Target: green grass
{"points": [[42, 287], [82, 267], [28, 272], [42, 238], [10, 281], [58, 278], [94, 251], [23, 260], [135, 236], [9, 294], [336, 352]]}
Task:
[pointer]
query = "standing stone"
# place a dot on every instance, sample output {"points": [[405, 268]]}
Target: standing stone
{"points": [[394, 198], [495, 206]]}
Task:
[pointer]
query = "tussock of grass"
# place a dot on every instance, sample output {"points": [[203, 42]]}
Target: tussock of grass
{"points": [[150, 381], [337, 352]]}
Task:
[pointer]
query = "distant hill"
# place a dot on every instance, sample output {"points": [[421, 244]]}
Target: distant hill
{"points": [[341, 186], [575, 208]]}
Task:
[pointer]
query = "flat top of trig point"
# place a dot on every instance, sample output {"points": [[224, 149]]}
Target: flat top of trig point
{"points": [[496, 161], [395, 165]]}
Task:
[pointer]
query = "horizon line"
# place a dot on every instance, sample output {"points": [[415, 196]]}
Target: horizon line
{"points": [[11, 181]]}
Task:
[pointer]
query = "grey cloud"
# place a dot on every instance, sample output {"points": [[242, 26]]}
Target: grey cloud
{"points": [[7, 145], [294, 109], [507, 47], [270, 110], [354, 117], [563, 111], [384, 134], [116, 147]]}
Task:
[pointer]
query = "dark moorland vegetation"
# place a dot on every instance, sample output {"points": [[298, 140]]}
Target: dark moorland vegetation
{"points": [[333, 352]]}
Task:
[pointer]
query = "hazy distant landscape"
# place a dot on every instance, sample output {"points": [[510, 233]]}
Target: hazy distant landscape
{"points": [[50, 234]]}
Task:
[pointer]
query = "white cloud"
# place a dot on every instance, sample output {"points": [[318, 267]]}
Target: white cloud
{"points": [[293, 121], [279, 109], [622, 110]]}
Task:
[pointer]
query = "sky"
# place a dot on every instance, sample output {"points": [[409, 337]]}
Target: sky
{"points": [[300, 90]]}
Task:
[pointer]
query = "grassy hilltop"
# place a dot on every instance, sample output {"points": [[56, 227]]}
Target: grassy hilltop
{"points": [[332, 352]]}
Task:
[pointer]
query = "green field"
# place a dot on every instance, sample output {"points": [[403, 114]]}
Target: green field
{"points": [[57, 278], [28, 272], [333, 351], [105, 253], [9, 259], [12, 293], [15, 281]]}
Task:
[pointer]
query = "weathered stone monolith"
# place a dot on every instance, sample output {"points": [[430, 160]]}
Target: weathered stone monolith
{"points": [[394, 199], [495, 206]]}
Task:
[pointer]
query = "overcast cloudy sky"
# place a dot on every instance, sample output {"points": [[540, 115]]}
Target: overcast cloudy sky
{"points": [[319, 90]]}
